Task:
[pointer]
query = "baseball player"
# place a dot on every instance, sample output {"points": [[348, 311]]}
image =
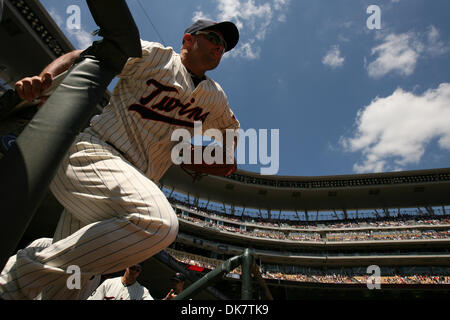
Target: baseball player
{"points": [[125, 287], [178, 281], [115, 215]]}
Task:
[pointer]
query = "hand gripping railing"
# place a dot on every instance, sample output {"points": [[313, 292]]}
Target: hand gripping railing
{"points": [[247, 261]]}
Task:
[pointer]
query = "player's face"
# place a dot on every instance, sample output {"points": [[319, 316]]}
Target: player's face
{"points": [[134, 272], [178, 286], [208, 51]]}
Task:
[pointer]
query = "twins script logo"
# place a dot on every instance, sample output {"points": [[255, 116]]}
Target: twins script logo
{"points": [[156, 110]]}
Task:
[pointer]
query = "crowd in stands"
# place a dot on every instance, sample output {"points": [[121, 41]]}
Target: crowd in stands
{"points": [[389, 235], [368, 235], [411, 279], [380, 220], [299, 236], [316, 276], [405, 220]]}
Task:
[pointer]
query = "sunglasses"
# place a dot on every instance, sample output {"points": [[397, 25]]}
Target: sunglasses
{"points": [[214, 38]]}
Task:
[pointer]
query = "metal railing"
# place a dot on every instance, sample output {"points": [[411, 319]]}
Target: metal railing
{"points": [[246, 261]]}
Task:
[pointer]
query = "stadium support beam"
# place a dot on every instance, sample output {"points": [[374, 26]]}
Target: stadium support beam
{"points": [[30, 164], [335, 215], [196, 202], [207, 204], [247, 263], [376, 213]]}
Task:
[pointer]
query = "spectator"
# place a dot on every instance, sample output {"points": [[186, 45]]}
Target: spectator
{"points": [[125, 287], [178, 281]]}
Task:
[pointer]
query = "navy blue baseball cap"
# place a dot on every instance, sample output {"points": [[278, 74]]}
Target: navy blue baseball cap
{"points": [[227, 28]]}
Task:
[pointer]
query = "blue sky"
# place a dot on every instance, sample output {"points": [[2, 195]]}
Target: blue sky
{"points": [[345, 98]]}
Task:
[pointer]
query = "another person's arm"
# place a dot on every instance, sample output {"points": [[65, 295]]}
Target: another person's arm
{"points": [[30, 88], [99, 293]]}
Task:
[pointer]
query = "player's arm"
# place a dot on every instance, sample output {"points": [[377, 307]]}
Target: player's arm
{"points": [[99, 293], [147, 295], [30, 88], [170, 295]]}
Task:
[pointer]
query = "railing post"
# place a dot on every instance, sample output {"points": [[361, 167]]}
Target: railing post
{"points": [[206, 280], [247, 262]]}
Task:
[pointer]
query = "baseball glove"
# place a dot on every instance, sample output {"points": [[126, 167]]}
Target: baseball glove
{"points": [[213, 169], [198, 170]]}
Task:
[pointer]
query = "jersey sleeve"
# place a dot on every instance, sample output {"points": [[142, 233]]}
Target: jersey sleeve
{"points": [[99, 293], [224, 117], [225, 122], [151, 52], [146, 295]]}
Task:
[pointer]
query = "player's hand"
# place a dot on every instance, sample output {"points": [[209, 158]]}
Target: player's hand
{"points": [[30, 88], [170, 295]]}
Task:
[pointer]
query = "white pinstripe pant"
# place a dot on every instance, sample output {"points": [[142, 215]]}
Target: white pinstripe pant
{"points": [[114, 217]]}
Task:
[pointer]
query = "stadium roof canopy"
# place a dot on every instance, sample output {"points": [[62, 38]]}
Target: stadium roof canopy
{"points": [[405, 189], [30, 40]]}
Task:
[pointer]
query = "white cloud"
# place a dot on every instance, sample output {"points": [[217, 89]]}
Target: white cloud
{"points": [[400, 53], [246, 50], [333, 58], [58, 19], [435, 46], [83, 38], [253, 19], [200, 15], [393, 132], [396, 54]]}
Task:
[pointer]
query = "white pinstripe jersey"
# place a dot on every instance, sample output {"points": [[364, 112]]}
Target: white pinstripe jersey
{"points": [[155, 95], [114, 289]]}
